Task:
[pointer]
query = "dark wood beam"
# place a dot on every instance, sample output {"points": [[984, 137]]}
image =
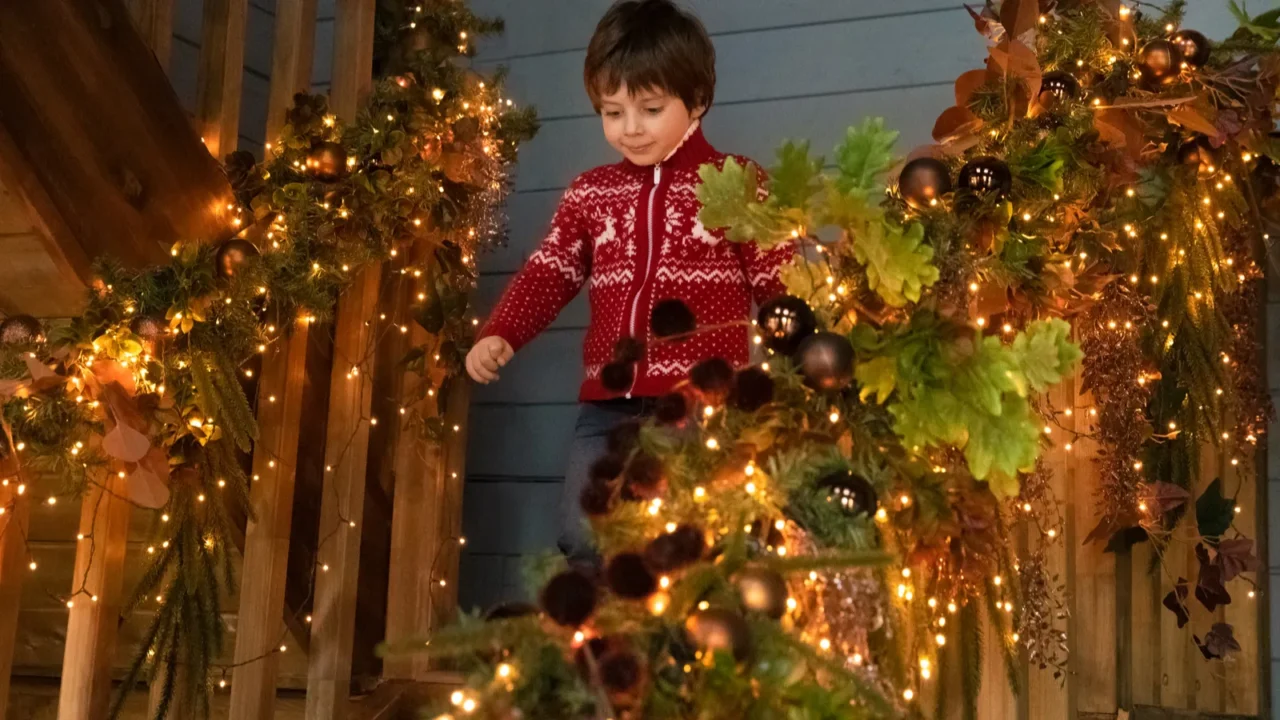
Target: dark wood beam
{"points": [[90, 124]]}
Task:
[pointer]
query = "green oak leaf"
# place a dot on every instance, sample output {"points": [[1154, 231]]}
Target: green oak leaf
{"points": [[730, 199], [897, 261], [793, 181], [1000, 446], [1045, 354], [865, 155], [878, 377]]}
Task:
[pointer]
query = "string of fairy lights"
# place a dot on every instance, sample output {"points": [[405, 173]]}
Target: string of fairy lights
{"points": [[486, 108]]}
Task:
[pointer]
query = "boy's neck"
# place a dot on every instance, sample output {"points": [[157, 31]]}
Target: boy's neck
{"points": [[692, 149]]}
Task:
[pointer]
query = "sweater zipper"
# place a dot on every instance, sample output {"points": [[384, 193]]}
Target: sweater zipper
{"points": [[648, 263]]}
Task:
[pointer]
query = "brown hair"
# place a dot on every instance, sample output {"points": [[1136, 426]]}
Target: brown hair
{"points": [[651, 44]]}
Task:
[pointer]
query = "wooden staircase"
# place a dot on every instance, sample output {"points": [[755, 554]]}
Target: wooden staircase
{"points": [[98, 158]]}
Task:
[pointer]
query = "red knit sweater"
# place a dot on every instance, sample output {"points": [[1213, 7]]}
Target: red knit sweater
{"points": [[632, 233]]}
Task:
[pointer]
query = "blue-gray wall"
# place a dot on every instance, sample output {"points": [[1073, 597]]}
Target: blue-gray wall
{"points": [[787, 68]]}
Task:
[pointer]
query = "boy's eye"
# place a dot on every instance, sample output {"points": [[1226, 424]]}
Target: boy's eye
{"points": [[612, 113], [654, 110]]}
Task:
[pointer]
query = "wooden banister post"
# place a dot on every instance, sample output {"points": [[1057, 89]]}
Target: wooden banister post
{"points": [[13, 570], [266, 551], [221, 74], [350, 397], [91, 628], [154, 20], [291, 57], [449, 531], [280, 394]]}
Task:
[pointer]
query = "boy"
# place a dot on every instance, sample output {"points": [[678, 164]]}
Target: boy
{"points": [[633, 229]]}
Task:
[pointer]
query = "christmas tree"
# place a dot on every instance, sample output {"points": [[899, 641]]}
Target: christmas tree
{"points": [[821, 535]]}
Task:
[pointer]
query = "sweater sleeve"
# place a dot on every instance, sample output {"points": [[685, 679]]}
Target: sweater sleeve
{"points": [[551, 277], [763, 268]]}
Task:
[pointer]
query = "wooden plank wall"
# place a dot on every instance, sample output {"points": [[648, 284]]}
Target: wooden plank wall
{"points": [[801, 69]]}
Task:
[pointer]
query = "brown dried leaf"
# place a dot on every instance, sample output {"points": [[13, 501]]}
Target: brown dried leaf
{"points": [[1134, 103], [124, 443], [967, 84], [1019, 16], [1192, 119], [148, 489], [954, 122], [42, 378], [109, 371], [1012, 59], [124, 407]]}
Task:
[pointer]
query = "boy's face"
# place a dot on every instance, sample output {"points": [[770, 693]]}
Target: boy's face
{"points": [[647, 126]]}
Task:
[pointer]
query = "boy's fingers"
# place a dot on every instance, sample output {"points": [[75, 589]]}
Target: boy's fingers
{"points": [[478, 372]]}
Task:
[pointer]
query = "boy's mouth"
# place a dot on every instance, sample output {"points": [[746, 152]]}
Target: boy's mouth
{"points": [[640, 149]]}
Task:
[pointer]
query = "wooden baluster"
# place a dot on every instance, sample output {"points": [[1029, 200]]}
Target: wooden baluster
{"points": [[347, 435], [91, 628], [221, 74], [280, 394], [13, 570]]}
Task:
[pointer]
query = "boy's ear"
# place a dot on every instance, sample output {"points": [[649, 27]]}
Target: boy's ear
{"points": [[698, 112]]}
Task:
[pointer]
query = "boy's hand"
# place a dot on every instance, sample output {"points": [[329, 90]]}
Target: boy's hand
{"points": [[486, 357]]}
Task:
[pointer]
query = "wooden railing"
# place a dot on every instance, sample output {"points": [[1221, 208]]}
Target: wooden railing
{"points": [[413, 521]]}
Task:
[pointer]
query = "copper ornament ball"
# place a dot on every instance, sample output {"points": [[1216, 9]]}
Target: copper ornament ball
{"points": [[1160, 62], [923, 181], [327, 161], [232, 255], [21, 329]]}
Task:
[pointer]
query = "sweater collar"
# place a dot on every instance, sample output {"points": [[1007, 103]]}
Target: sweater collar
{"points": [[693, 150]]}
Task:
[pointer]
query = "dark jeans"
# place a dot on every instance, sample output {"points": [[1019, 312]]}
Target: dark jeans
{"points": [[590, 443]]}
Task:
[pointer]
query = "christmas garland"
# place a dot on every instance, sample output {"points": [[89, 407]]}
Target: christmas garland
{"points": [[822, 535], [152, 384]]}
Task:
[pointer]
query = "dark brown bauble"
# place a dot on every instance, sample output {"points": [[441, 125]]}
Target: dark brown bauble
{"points": [[232, 256], [1195, 47], [718, 629], [752, 389], [621, 670], [676, 549], [672, 408], [826, 361], [713, 376], [149, 327], [1058, 88], [628, 350], [618, 377], [327, 161], [762, 590], [569, 598], [784, 322], [596, 498], [644, 478], [853, 493], [923, 181], [985, 175], [672, 317], [21, 329], [1202, 155], [1160, 62], [629, 577]]}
